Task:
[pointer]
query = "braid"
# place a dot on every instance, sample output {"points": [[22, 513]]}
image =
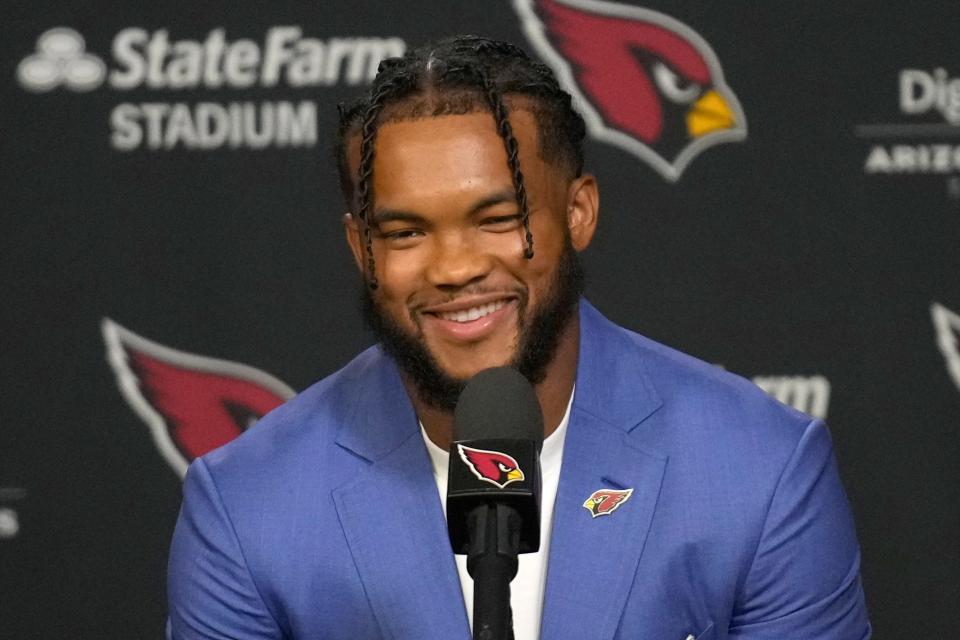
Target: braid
{"points": [[365, 182], [505, 130], [368, 132]]}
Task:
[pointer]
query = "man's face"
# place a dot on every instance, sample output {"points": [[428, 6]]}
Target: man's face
{"points": [[455, 294]]}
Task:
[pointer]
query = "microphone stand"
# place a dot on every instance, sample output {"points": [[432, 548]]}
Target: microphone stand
{"points": [[492, 563]]}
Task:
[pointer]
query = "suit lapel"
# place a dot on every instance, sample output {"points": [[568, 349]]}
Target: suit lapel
{"points": [[393, 520], [593, 561]]}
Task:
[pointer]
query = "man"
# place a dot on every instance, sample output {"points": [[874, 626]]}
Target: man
{"points": [[468, 206]]}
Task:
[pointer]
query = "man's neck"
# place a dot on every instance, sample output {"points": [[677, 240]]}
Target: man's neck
{"points": [[553, 393]]}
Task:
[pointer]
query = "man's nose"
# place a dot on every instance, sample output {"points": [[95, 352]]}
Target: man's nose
{"points": [[456, 262]]}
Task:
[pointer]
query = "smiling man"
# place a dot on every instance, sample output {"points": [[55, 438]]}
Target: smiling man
{"points": [[457, 291], [679, 501]]}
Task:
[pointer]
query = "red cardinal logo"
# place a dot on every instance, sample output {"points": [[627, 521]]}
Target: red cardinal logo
{"points": [[947, 324], [192, 404], [494, 467], [603, 502], [644, 81]]}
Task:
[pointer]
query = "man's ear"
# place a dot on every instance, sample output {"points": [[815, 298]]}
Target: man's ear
{"points": [[583, 206], [354, 239]]}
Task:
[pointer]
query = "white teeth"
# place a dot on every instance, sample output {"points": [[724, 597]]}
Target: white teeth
{"points": [[474, 313]]}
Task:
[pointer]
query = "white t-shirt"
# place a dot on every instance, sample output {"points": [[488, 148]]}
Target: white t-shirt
{"points": [[526, 589]]}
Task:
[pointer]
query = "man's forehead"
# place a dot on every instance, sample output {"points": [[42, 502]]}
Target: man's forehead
{"points": [[445, 162], [407, 135]]}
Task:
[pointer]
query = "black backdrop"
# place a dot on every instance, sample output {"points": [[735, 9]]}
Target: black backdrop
{"points": [[818, 255]]}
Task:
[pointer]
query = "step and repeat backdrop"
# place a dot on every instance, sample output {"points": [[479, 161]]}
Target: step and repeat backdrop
{"points": [[174, 265]]}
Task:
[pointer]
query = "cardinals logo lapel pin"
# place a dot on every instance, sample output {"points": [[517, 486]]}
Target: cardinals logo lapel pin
{"points": [[603, 502], [497, 468]]}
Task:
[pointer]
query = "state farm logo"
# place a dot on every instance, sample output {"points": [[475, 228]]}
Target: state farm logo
{"points": [[152, 59], [283, 60], [644, 82], [61, 59]]}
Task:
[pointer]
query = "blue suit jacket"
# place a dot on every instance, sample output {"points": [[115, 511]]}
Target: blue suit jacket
{"points": [[324, 522]]}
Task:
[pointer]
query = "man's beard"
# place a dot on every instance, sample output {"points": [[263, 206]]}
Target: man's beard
{"points": [[538, 338]]}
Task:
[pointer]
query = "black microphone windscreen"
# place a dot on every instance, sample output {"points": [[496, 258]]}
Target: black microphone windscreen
{"points": [[498, 403]]}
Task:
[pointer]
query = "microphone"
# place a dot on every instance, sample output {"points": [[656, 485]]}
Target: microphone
{"points": [[493, 489]]}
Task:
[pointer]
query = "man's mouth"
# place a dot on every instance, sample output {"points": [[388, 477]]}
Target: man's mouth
{"points": [[469, 320], [473, 313]]}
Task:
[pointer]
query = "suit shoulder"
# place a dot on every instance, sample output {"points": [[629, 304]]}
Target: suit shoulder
{"points": [[308, 422], [725, 438], [707, 399]]}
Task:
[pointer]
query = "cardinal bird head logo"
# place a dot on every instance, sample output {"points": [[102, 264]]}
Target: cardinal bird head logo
{"points": [[497, 468], [603, 502], [947, 325], [192, 404], [643, 81]]}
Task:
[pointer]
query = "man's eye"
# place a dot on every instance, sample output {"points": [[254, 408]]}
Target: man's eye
{"points": [[501, 223], [399, 235]]}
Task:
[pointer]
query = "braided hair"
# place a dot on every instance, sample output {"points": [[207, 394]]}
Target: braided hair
{"points": [[459, 75]]}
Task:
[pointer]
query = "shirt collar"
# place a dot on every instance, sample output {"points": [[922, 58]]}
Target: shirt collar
{"points": [[550, 455]]}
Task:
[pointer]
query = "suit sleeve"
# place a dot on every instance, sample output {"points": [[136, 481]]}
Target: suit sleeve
{"points": [[805, 578], [210, 590]]}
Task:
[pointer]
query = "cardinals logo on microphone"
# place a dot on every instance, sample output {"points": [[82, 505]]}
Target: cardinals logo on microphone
{"points": [[644, 82], [499, 469]]}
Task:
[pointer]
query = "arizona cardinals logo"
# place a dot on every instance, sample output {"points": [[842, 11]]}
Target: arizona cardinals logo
{"points": [[644, 81], [191, 404], [947, 324], [494, 467], [603, 502]]}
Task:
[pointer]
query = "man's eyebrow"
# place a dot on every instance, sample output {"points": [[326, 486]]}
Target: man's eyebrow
{"points": [[507, 195], [382, 216]]}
